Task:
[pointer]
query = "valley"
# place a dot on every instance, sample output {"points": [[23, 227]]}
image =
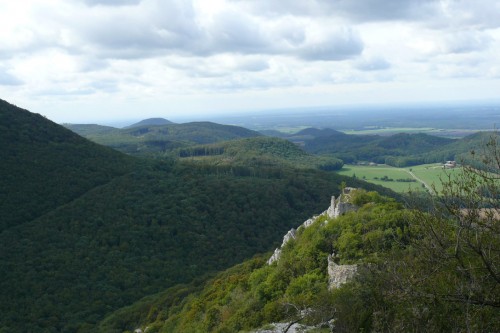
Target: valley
{"points": [[236, 166], [129, 235]]}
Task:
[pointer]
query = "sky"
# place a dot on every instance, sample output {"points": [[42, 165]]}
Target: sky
{"points": [[95, 61]]}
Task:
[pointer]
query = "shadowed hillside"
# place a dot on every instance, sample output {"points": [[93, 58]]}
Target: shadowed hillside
{"points": [[44, 165], [89, 230]]}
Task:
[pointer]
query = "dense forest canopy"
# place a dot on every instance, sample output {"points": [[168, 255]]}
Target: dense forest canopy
{"points": [[87, 230]]}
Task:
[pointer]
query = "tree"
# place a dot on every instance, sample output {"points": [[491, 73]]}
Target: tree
{"points": [[457, 246]]}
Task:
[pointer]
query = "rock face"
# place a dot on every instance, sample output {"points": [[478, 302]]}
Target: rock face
{"points": [[281, 327], [339, 274], [341, 205], [277, 253], [338, 207]]}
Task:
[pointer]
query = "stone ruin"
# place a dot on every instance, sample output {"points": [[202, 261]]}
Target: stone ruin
{"points": [[341, 205], [339, 274], [338, 206]]}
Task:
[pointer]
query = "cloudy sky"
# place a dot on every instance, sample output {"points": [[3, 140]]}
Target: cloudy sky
{"points": [[97, 60]]}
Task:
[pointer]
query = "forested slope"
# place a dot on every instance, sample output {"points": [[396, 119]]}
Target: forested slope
{"points": [[396, 150], [411, 272], [43, 165], [89, 230], [145, 138], [258, 151]]}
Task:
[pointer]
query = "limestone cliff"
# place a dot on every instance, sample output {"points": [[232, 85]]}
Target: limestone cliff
{"points": [[338, 206]]}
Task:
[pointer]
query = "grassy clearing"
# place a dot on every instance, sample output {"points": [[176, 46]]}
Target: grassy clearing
{"points": [[434, 174], [427, 173], [450, 133]]}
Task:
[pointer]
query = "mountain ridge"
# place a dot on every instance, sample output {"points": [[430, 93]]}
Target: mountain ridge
{"points": [[89, 229], [150, 122]]}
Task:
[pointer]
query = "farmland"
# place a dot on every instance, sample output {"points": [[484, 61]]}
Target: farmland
{"points": [[423, 176]]}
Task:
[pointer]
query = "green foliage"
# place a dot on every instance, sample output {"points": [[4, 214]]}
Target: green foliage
{"points": [[293, 289], [44, 165], [143, 232], [428, 270], [143, 139], [259, 151], [459, 250], [399, 150], [88, 230]]}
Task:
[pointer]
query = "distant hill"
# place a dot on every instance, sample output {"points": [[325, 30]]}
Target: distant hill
{"points": [[90, 129], [274, 133], [151, 139], [317, 133], [87, 230], [151, 122], [397, 150], [258, 151]]}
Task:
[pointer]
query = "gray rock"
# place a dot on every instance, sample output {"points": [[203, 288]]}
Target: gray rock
{"points": [[280, 328], [338, 207], [339, 274]]}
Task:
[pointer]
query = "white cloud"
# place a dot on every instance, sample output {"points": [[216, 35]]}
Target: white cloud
{"points": [[336, 45], [111, 2], [153, 50], [373, 64], [467, 41], [8, 79]]}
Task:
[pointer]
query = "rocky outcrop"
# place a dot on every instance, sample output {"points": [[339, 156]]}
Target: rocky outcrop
{"points": [[289, 235], [288, 327], [339, 274], [338, 206], [276, 255], [341, 205]]}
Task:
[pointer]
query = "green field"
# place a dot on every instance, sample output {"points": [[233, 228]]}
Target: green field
{"points": [[450, 133], [434, 174], [429, 174]]}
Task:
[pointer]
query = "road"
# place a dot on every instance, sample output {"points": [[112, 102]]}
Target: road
{"points": [[430, 189]]}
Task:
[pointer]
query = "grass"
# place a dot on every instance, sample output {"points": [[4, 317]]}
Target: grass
{"points": [[451, 133], [427, 173], [434, 174]]}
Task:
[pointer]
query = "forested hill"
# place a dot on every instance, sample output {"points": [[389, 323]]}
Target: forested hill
{"points": [[151, 122], [88, 230], [144, 139], [366, 264], [399, 150], [376, 148], [43, 165], [258, 151]]}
